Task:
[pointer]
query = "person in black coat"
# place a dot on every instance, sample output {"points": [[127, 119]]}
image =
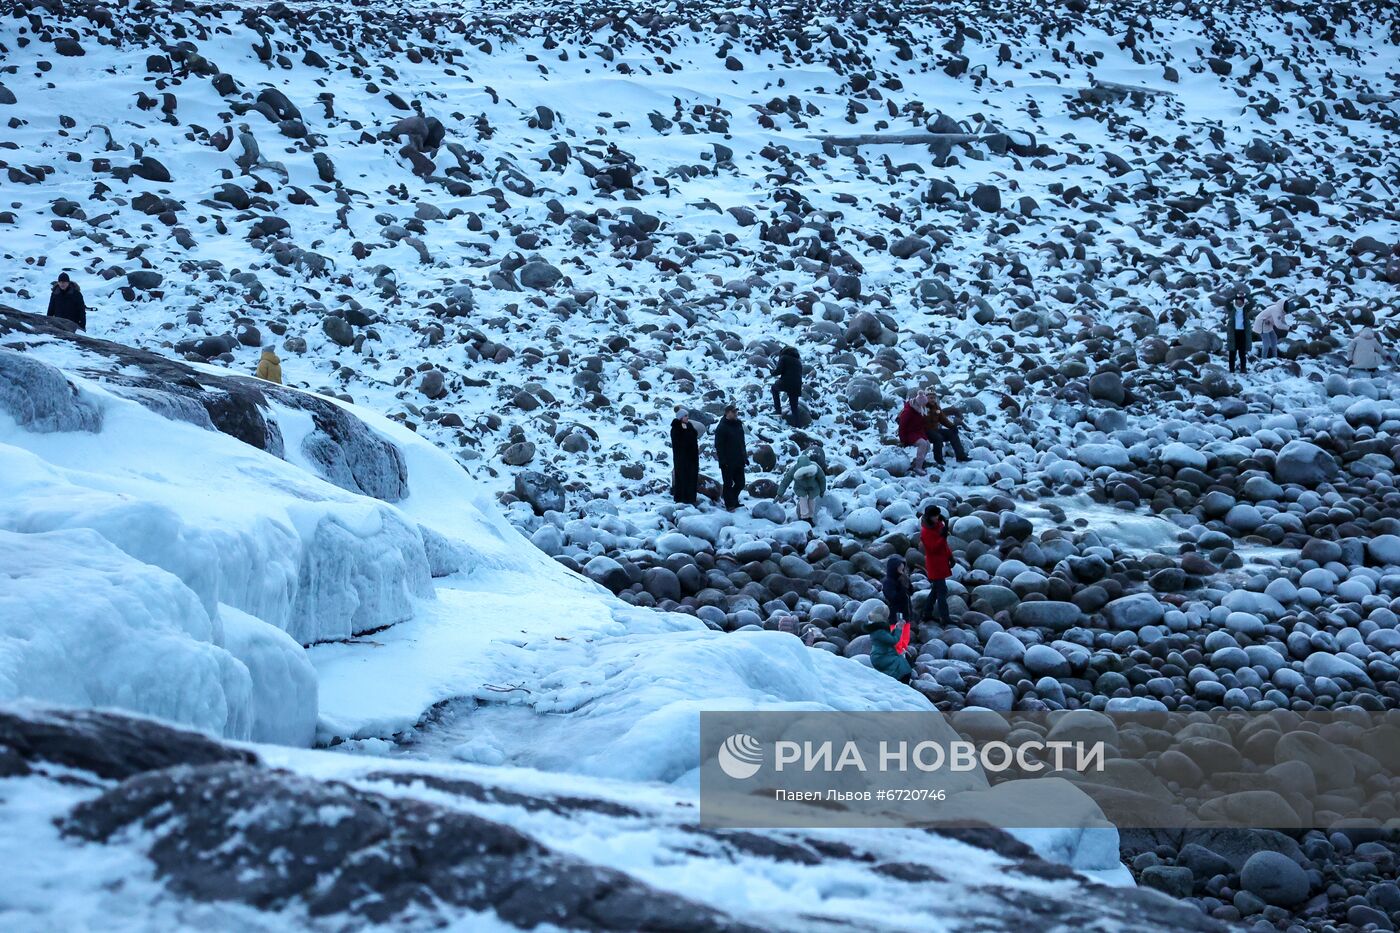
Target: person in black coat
{"points": [[788, 381], [1239, 328], [732, 455], [66, 301], [685, 458]]}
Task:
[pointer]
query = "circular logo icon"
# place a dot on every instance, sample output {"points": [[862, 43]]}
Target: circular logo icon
{"points": [[740, 756]]}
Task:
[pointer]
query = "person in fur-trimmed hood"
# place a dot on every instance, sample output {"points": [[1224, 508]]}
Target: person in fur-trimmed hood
{"points": [[269, 366], [66, 301], [808, 482]]}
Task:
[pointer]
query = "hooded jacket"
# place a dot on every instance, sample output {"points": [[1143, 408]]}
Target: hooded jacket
{"points": [[68, 304], [788, 369], [270, 367], [1274, 318], [884, 654], [1366, 349], [730, 450], [896, 591], [805, 477], [938, 556], [913, 425]]}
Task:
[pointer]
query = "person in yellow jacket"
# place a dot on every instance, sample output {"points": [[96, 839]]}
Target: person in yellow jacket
{"points": [[270, 367]]}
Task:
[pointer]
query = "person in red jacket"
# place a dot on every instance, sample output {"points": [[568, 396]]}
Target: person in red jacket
{"points": [[938, 563], [913, 427]]}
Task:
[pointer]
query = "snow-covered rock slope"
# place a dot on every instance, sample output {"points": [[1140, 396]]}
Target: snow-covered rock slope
{"points": [[121, 823], [531, 230], [162, 564], [133, 534]]}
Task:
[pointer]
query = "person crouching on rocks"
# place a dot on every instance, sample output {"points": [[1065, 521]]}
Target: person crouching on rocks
{"points": [[1271, 324], [1365, 350], [938, 563], [269, 366], [66, 301], [889, 638], [685, 458], [808, 482]]}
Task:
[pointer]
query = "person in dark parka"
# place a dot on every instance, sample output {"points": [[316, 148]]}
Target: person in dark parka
{"points": [[897, 590], [890, 639], [788, 381], [66, 301], [732, 455], [685, 458], [1239, 329]]}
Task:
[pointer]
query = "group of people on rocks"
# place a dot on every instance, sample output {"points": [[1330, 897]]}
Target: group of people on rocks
{"points": [[1242, 324], [731, 450], [891, 636], [923, 423]]}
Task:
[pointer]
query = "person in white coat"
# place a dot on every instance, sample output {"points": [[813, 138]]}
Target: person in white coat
{"points": [[1365, 350], [1271, 324]]}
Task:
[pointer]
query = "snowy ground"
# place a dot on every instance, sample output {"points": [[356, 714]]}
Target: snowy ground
{"points": [[517, 236]]}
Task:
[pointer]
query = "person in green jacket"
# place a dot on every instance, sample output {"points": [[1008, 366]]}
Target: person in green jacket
{"points": [[808, 483], [884, 654]]}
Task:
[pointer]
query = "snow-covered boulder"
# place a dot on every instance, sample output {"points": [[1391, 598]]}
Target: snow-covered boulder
{"points": [[1133, 612], [284, 700], [1305, 464], [1097, 455], [1180, 455], [84, 624], [40, 398]]}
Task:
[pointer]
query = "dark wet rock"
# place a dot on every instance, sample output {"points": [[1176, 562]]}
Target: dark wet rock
{"points": [[1275, 878], [543, 492], [109, 745], [217, 833], [338, 330], [1107, 386], [519, 453], [433, 384], [145, 279], [1304, 463], [539, 274], [1168, 879]]}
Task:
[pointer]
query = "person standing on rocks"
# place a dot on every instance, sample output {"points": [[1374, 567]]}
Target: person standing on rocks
{"points": [[913, 427], [787, 371], [1365, 350], [732, 455], [1238, 330], [269, 366], [941, 424], [808, 482], [938, 563], [66, 301], [685, 458]]}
